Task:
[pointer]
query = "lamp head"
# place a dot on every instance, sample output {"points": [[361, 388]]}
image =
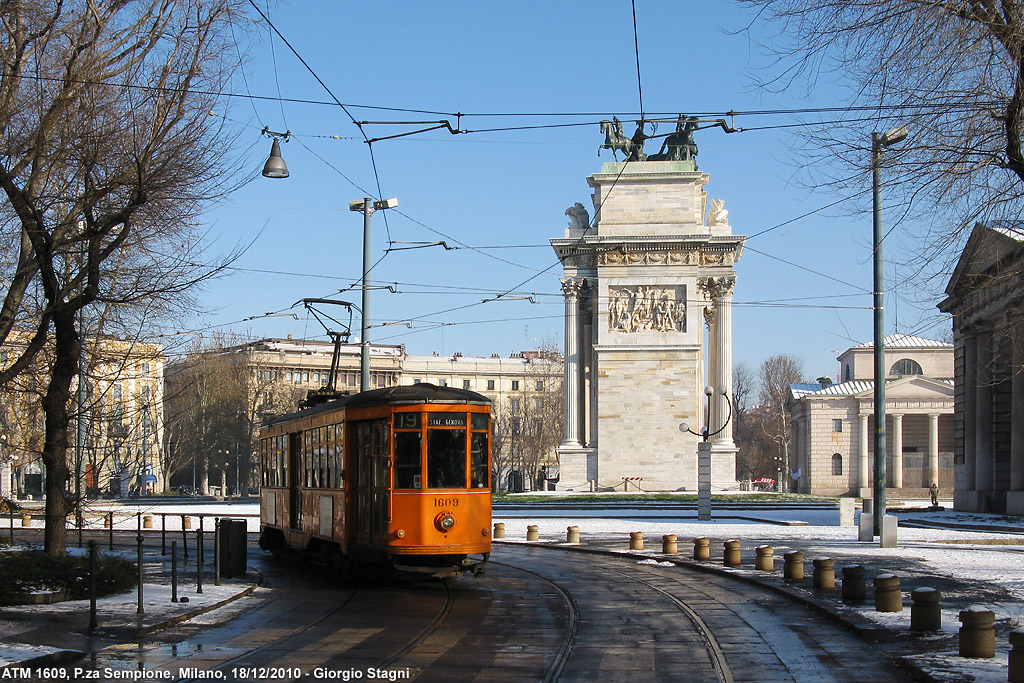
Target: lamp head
{"points": [[708, 391], [891, 137], [683, 427], [275, 166]]}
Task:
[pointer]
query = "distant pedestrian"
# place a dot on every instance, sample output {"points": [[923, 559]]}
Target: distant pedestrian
{"points": [[934, 490]]}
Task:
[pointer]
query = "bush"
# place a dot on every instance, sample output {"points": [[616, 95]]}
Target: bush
{"points": [[33, 570]]}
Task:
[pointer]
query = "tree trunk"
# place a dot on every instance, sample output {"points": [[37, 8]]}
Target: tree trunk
{"points": [[55, 444]]}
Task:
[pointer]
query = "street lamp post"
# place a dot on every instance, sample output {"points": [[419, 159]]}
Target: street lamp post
{"points": [[879, 141], [704, 453], [276, 168]]}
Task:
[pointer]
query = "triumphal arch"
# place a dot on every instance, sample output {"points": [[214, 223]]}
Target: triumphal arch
{"points": [[648, 286]]}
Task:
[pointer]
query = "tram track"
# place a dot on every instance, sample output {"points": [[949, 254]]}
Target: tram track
{"points": [[565, 647]]}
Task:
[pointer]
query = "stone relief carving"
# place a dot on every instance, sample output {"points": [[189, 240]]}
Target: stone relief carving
{"points": [[690, 257], [653, 309]]}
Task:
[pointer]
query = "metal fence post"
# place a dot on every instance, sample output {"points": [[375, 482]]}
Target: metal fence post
{"points": [[138, 539], [199, 559], [217, 531], [174, 571], [92, 584]]}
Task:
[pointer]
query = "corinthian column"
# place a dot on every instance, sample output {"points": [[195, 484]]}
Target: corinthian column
{"points": [[720, 356], [571, 433]]}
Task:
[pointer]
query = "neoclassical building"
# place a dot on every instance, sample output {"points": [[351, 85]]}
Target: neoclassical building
{"points": [[648, 323], [833, 424], [984, 296]]}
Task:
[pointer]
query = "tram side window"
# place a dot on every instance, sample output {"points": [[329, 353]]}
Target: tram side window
{"points": [[408, 460], [446, 458], [324, 453], [339, 455], [478, 460]]}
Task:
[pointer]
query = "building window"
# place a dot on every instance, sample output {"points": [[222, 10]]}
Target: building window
{"points": [[465, 384], [837, 464], [837, 425], [490, 385], [416, 381], [515, 385], [906, 366], [514, 405], [145, 368], [847, 373], [540, 385], [442, 382]]}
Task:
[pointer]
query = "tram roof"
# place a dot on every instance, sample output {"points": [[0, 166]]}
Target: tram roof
{"points": [[398, 395]]}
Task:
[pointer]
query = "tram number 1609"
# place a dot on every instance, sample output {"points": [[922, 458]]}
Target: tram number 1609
{"points": [[446, 502]]}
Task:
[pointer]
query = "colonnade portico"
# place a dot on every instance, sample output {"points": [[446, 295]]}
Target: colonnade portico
{"points": [[637, 285], [865, 456]]}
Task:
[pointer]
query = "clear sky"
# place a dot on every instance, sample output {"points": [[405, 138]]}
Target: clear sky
{"points": [[500, 195]]}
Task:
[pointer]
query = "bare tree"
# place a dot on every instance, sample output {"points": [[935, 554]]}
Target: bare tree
{"points": [[107, 155], [776, 374], [952, 72]]}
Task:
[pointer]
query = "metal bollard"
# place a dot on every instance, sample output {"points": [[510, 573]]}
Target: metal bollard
{"points": [[142, 577], [888, 597], [977, 633], [925, 609], [793, 567], [854, 585], [92, 585], [824, 577], [731, 555], [702, 548], [147, 522], [533, 533], [163, 534], [636, 540], [765, 558], [1016, 672], [499, 530], [669, 544], [216, 551], [174, 571], [186, 522], [199, 561], [572, 534]]}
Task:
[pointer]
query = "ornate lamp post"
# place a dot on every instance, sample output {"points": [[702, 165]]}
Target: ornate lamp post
{"points": [[704, 453]]}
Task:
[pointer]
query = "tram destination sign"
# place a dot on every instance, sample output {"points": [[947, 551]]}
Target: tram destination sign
{"points": [[446, 419]]}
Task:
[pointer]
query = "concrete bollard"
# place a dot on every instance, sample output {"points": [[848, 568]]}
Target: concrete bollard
{"points": [[26, 520], [499, 530], [186, 523], [925, 609], [977, 633], [765, 559], [702, 548], [888, 597], [572, 534], [1016, 672], [669, 544], [793, 566], [731, 556], [636, 540], [533, 533], [854, 587], [147, 522], [824, 577]]}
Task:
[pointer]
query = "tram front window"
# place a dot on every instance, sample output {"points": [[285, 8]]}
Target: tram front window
{"points": [[446, 458], [407, 460]]}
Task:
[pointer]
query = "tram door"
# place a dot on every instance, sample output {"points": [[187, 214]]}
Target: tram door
{"points": [[371, 462], [294, 476]]}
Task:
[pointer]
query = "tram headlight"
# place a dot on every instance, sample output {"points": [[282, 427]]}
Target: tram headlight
{"points": [[444, 521]]}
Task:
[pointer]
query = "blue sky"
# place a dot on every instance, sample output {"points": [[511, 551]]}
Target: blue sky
{"points": [[501, 195]]}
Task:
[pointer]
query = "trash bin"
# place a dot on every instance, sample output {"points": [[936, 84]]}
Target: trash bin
{"points": [[232, 548]]}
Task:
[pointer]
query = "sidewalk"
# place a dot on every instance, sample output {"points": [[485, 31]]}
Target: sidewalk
{"points": [[36, 635]]}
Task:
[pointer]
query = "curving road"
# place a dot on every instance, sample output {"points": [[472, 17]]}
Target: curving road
{"points": [[540, 614]]}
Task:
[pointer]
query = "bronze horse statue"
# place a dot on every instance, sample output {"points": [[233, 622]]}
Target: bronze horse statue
{"points": [[614, 139]]}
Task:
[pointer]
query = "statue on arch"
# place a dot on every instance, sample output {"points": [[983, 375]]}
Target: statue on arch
{"points": [[579, 217]]}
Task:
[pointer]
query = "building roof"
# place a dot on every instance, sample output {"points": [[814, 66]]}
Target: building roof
{"points": [[906, 341], [852, 388]]}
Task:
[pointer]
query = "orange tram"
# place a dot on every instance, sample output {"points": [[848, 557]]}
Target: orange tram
{"points": [[395, 478]]}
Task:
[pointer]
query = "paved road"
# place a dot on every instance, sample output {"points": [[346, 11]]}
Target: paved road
{"points": [[539, 614]]}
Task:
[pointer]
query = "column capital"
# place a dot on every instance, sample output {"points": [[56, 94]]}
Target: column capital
{"points": [[717, 287], [572, 286]]}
